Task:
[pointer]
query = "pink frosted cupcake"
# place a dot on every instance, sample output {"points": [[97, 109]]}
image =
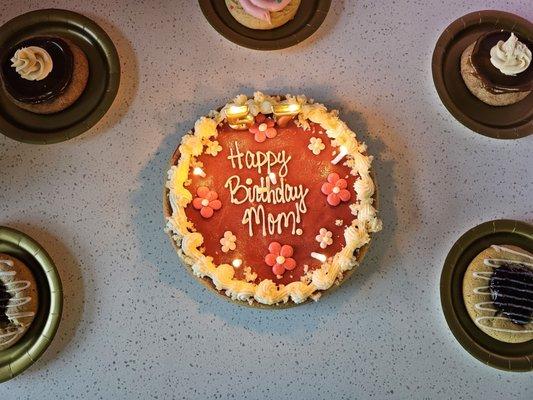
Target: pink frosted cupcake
{"points": [[263, 14]]}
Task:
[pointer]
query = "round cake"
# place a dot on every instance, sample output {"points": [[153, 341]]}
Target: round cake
{"points": [[270, 200]]}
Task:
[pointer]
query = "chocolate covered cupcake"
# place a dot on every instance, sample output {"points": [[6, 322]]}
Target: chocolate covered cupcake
{"points": [[497, 68], [44, 75]]}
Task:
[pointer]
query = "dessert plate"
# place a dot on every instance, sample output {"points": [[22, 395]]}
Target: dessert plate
{"points": [[508, 122], [306, 21], [102, 86], [505, 356], [32, 345]]}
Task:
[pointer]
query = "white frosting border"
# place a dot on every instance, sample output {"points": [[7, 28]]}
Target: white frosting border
{"points": [[267, 292]]}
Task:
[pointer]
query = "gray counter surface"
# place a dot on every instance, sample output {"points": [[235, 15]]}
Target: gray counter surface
{"points": [[137, 325]]}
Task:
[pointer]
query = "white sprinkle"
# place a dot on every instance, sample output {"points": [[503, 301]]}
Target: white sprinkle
{"points": [[319, 257], [340, 156], [199, 171]]}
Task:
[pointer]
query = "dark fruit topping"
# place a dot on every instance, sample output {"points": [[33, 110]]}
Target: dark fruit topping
{"points": [[493, 79], [511, 290], [5, 296], [49, 88]]}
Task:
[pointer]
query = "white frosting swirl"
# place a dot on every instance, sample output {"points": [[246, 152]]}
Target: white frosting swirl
{"points": [[510, 57], [364, 187], [32, 63], [364, 211], [268, 293]]}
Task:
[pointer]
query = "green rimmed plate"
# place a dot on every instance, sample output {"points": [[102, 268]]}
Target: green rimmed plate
{"points": [[32, 345], [505, 356], [306, 21], [102, 86]]}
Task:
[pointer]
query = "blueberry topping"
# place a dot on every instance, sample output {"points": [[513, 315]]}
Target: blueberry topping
{"points": [[511, 290], [5, 296]]}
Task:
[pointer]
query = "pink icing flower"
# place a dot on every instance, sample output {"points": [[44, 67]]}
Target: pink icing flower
{"points": [[261, 8], [279, 258], [335, 189], [263, 128], [207, 202]]}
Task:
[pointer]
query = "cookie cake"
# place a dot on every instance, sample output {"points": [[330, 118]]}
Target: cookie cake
{"points": [[270, 200], [498, 293]]}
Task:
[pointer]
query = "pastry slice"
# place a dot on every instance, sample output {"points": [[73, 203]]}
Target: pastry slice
{"points": [[18, 300]]}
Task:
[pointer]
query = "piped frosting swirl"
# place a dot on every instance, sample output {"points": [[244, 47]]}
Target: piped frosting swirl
{"points": [[510, 57], [32, 63]]}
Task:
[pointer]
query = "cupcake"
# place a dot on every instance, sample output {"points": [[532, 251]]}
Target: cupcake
{"points": [[263, 14], [498, 293], [44, 75], [18, 300], [497, 68]]}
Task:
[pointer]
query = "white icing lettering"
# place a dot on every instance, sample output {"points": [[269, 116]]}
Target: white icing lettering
{"points": [[269, 190]]}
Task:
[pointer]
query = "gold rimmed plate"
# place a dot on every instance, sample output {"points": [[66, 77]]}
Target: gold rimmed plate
{"points": [[102, 86], [507, 122], [36, 340], [501, 355], [310, 15]]}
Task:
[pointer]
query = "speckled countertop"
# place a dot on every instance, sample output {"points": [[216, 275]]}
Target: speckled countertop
{"points": [[137, 325]]}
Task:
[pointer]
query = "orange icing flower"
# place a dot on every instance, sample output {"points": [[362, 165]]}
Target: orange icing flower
{"points": [[335, 189], [279, 258], [263, 128], [206, 201]]}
